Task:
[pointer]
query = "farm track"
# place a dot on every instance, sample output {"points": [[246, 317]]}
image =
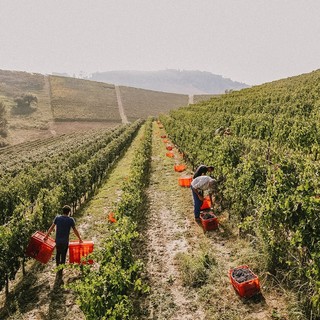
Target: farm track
{"points": [[167, 226], [120, 106], [169, 230]]}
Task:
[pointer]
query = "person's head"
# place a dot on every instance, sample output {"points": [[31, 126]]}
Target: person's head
{"points": [[66, 210], [210, 169]]}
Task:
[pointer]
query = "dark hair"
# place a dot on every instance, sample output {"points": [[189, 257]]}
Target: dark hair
{"points": [[66, 209], [210, 167]]}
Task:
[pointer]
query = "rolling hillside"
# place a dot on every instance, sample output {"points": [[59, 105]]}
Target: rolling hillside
{"points": [[67, 104], [174, 81]]}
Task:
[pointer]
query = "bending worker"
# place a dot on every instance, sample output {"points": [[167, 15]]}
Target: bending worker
{"points": [[198, 186], [202, 169]]}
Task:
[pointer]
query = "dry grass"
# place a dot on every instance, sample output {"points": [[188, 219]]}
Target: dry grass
{"points": [[75, 99], [139, 103]]}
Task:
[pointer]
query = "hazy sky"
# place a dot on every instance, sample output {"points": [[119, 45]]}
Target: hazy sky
{"points": [[251, 41]]}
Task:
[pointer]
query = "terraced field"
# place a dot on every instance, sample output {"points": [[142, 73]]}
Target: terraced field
{"points": [[75, 99], [69, 104], [138, 103]]}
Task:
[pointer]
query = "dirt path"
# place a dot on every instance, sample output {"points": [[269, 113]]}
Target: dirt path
{"points": [[166, 237], [120, 106]]}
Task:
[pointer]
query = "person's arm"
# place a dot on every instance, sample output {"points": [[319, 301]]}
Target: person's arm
{"points": [[77, 234], [210, 196], [49, 231], [212, 192]]}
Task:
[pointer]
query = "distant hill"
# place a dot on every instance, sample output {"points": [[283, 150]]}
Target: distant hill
{"points": [[174, 81], [66, 104]]}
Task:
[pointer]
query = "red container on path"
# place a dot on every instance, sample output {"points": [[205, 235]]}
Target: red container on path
{"points": [[79, 250], [163, 136], [180, 167], [247, 288], [206, 203], [169, 148], [39, 249], [185, 181], [209, 224], [170, 154]]}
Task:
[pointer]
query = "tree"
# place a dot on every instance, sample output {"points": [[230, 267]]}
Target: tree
{"points": [[25, 103], [3, 120]]}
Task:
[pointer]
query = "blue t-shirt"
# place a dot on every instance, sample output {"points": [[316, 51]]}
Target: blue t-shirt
{"points": [[63, 225]]}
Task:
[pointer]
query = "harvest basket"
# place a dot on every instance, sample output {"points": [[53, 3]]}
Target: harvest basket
{"points": [[206, 204], [111, 218], [79, 250], [169, 148], [170, 154], [209, 221], [180, 167], [163, 136], [185, 181], [39, 249], [246, 288]]}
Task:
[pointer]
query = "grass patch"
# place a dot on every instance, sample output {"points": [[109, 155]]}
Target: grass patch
{"points": [[197, 269]]}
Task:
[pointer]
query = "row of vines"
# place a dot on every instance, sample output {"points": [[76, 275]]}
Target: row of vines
{"points": [[32, 197], [270, 169], [111, 288]]}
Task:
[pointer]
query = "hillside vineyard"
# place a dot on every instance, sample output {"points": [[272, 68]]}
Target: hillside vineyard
{"points": [[267, 163], [62, 170], [270, 164]]}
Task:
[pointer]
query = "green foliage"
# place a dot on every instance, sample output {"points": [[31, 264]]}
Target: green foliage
{"points": [[271, 165], [109, 289], [31, 196], [105, 292]]}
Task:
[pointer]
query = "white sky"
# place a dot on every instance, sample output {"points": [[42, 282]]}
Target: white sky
{"points": [[251, 41]]}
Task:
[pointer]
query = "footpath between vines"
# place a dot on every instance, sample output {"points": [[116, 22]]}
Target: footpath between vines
{"points": [[188, 267]]}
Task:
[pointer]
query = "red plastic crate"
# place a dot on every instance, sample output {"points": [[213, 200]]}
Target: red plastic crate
{"points": [[206, 204], [170, 154], [163, 136], [211, 223], [79, 250], [180, 167], [247, 288], [39, 249], [169, 148], [185, 181]]}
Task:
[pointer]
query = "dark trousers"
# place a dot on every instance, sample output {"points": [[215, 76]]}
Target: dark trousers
{"points": [[197, 203], [61, 253]]}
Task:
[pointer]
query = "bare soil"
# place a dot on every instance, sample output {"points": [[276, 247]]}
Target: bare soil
{"points": [[21, 134]]}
